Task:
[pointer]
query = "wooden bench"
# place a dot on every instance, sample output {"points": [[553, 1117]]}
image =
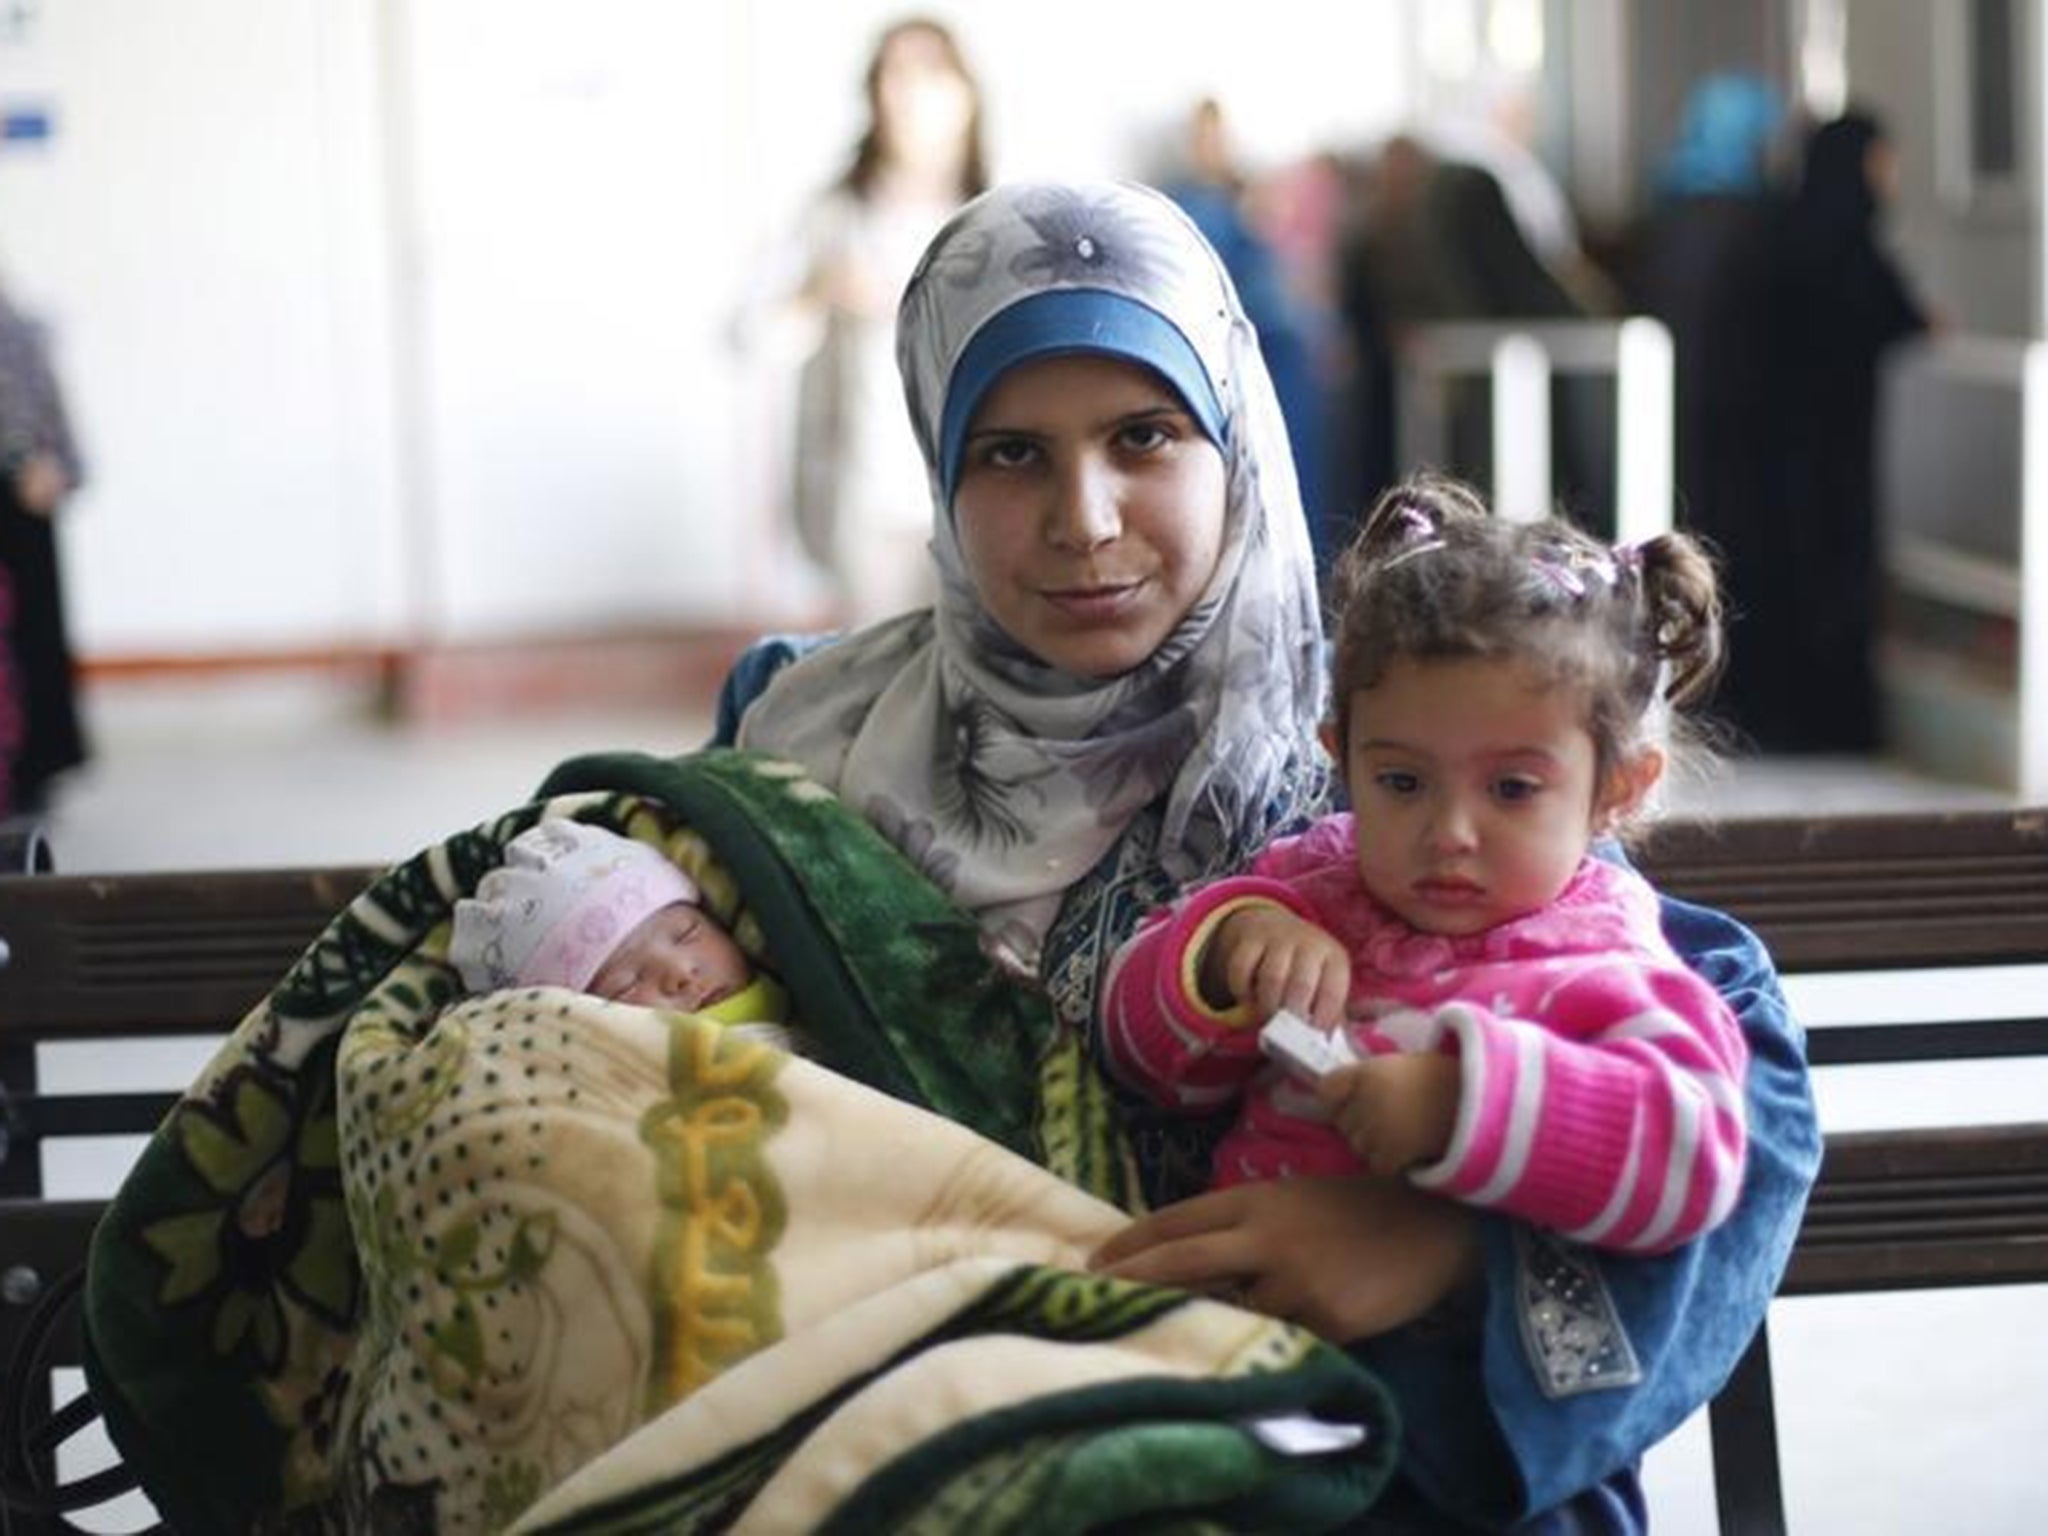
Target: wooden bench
{"points": [[94, 958], [106, 958], [1893, 1209]]}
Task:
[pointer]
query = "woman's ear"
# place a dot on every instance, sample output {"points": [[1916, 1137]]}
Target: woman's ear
{"points": [[1627, 786]]}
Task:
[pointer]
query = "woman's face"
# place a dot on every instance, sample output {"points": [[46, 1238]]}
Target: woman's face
{"points": [[1881, 171], [921, 100], [1090, 511]]}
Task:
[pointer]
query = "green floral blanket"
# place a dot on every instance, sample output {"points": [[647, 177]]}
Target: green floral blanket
{"points": [[403, 1260]]}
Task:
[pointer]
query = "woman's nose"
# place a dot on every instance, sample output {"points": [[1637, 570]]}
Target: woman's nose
{"points": [[1086, 510]]}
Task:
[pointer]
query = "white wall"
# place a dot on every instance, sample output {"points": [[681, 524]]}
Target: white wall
{"points": [[396, 319], [203, 232], [1977, 260], [577, 460]]}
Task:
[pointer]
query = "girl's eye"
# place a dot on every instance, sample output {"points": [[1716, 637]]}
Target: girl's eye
{"points": [[1515, 790], [1397, 781]]}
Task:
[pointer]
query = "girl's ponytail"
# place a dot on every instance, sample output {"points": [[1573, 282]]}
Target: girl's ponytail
{"points": [[1681, 612]]}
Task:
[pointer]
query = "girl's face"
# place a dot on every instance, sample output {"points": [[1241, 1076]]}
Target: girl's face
{"points": [[1090, 511], [1475, 790], [676, 958]]}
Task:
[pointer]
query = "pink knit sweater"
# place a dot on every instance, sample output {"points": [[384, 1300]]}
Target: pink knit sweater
{"points": [[1601, 1080]]}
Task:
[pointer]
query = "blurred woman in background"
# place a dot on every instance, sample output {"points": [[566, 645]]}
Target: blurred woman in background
{"points": [[40, 735], [1705, 265], [1804, 567], [859, 498]]}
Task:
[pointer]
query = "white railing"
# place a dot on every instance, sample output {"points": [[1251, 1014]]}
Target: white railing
{"points": [[2031, 770], [1930, 454], [1520, 358], [1964, 490]]}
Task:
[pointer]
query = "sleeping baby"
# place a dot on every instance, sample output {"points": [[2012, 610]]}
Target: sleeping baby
{"points": [[577, 906]]}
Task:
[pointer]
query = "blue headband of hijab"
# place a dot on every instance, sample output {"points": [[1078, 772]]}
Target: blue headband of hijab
{"points": [[1065, 321]]}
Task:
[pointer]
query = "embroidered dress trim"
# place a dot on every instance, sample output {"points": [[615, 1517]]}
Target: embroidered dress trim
{"points": [[1570, 1328]]}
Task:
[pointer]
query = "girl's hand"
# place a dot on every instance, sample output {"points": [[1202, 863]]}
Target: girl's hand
{"points": [[1345, 1257], [1268, 958], [1396, 1111]]}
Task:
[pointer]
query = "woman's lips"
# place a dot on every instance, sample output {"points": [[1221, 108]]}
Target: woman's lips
{"points": [[1105, 600]]}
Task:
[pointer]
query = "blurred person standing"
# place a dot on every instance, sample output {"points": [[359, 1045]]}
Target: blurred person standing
{"points": [[859, 498], [40, 734], [1434, 240], [1211, 187], [1805, 576], [1703, 267], [1495, 129]]}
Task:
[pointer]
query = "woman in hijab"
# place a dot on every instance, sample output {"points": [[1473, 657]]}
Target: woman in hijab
{"points": [[1804, 574], [1705, 272], [1116, 694], [1018, 778]]}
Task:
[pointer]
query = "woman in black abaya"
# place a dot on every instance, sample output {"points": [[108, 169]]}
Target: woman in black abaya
{"points": [[1805, 579]]}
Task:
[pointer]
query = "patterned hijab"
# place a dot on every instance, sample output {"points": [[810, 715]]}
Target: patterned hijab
{"points": [[1008, 780]]}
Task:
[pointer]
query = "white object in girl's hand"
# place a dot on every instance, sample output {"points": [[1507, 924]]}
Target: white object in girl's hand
{"points": [[1294, 1042]]}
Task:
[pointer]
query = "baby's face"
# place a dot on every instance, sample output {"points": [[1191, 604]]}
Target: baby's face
{"points": [[678, 958]]}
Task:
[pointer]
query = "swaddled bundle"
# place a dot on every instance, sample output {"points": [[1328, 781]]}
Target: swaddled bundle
{"points": [[409, 1258]]}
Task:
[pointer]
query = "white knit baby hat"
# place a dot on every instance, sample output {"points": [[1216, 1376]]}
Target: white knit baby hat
{"points": [[562, 901]]}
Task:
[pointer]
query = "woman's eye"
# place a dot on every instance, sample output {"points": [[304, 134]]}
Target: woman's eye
{"points": [[1007, 452], [1145, 436]]}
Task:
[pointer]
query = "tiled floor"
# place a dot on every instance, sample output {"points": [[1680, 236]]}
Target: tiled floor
{"points": [[1908, 1412], [287, 771]]}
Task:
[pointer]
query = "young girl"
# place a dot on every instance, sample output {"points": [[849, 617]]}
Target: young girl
{"points": [[1518, 1032]]}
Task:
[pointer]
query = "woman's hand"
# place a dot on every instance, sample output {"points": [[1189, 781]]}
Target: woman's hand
{"points": [[1346, 1257]]}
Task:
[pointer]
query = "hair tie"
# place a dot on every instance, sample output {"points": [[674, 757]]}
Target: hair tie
{"points": [[1566, 569], [1419, 535], [1415, 523], [1562, 577]]}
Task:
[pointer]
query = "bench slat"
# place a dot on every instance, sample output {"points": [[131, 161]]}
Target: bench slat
{"points": [[1869, 892], [2014, 1259], [1915, 836], [44, 1116], [1912, 1209], [154, 954]]}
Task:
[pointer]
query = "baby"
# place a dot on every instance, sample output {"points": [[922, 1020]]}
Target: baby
{"points": [[577, 906]]}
